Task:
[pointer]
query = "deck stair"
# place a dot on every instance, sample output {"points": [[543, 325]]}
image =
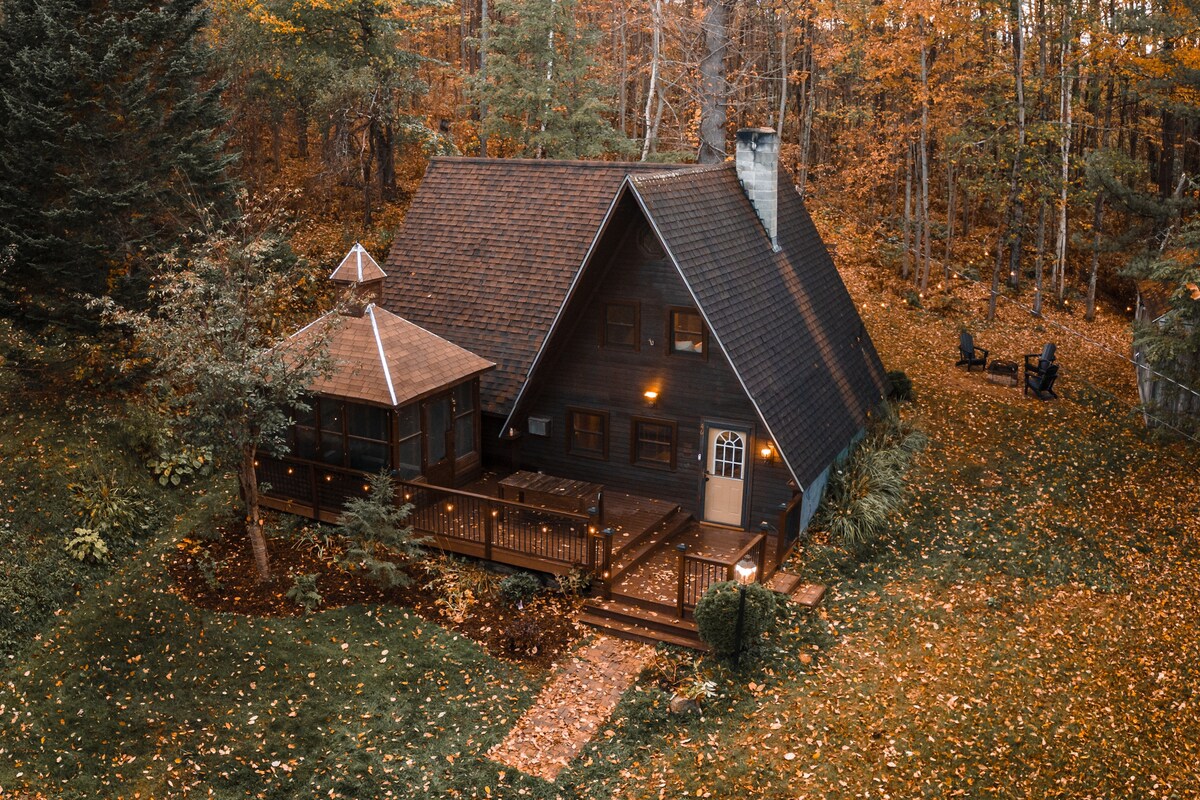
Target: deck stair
{"points": [[641, 547], [783, 582], [641, 623]]}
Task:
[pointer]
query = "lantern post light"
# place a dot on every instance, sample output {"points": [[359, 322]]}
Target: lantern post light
{"points": [[745, 572]]}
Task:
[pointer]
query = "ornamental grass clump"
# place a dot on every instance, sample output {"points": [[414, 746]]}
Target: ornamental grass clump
{"points": [[872, 485]]}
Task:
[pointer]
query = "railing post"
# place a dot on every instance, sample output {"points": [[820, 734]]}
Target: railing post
{"points": [[316, 495], [489, 530], [681, 550], [593, 535], [607, 564], [762, 559]]}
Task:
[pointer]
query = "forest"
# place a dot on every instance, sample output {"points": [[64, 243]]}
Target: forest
{"points": [[1052, 143]]}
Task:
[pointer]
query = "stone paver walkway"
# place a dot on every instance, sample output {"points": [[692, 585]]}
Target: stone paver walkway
{"points": [[572, 707]]}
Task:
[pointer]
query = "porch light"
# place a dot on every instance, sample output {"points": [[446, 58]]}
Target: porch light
{"points": [[651, 397], [767, 452]]}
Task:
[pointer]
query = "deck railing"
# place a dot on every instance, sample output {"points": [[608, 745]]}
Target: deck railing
{"points": [[789, 527], [695, 573], [463, 522]]}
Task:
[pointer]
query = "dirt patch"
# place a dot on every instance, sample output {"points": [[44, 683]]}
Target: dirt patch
{"points": [[219, 575]]}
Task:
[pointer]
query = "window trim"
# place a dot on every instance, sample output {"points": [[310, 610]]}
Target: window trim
{"points": [[634, 424], [704, 338], [602, 454], [637, 326]]}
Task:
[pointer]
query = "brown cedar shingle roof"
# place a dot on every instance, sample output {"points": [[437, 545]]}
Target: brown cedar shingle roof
{"points": [[383, 359], [785, 320], [357, 267], [488, 250]]}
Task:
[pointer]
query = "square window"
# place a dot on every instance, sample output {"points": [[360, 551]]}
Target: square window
{"points": [[622, 326], [653, 443], [587, 433], [687, 332]]}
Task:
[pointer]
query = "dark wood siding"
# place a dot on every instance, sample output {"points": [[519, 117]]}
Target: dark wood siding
{"points": [[577, 371]]}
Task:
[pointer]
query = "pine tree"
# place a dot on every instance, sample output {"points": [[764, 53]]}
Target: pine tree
{"points": [[109, 138], [539, 93]]}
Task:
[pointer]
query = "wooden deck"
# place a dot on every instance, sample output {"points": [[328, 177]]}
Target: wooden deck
{"points": [[651, 560]]}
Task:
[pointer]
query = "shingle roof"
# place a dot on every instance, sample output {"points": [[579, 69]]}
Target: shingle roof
{"points": [[785, 320], [384, 359], [357, 267], [488, 250]]}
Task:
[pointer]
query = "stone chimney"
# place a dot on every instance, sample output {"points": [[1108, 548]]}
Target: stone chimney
{"points": [[758, 170]]}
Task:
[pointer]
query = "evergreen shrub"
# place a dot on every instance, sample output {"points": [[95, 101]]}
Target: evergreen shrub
{"points": [[519, 588], [717, 612]]}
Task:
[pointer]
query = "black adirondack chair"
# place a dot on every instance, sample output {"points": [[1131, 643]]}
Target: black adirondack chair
{"points": [[1042, 383], [968, 352], [1040, 362]]}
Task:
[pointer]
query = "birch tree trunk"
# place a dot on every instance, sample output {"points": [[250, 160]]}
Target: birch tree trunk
{"points": [[950, 198], [483, 54], [652, 92]]}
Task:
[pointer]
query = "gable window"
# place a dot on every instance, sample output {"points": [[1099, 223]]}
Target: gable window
{"points": [[621, 326], [653, 443], [587, 433], [687, 332]]}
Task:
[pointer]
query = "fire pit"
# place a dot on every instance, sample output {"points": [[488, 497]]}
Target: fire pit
{"points": [[1002, 372]]}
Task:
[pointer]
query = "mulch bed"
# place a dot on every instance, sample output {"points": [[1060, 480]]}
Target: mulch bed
{"points": [[535, 636]]}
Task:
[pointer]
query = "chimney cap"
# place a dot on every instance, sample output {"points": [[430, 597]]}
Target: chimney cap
{"points": [[758, 131]]}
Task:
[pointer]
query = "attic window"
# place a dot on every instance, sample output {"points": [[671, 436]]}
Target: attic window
{"points": [[687, 332], [621, 326]]}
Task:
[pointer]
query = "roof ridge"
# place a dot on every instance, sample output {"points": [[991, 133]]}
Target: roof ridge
{"points": [[563, 162], [695, 169]]}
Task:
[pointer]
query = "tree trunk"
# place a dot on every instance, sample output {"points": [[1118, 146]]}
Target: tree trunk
{"points": [[1015, 204], [301, 132], [950, 197], [783, 68], [1041, 258], [248, 484], [810, 95], [483, 53], [924, 243], [1060, 245], [714, 91], [908, 171], [995, 295], [652, 92]]}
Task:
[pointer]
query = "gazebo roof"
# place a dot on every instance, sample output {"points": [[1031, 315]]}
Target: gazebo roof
{"points": [[383, 359], [357, 267]]}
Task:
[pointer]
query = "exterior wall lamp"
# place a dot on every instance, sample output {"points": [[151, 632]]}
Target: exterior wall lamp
{"points": [[767, 452], [651, 397]]}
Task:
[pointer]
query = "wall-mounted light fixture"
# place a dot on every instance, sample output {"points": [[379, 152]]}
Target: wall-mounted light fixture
{"points": [[767, 452], [651, 397]]}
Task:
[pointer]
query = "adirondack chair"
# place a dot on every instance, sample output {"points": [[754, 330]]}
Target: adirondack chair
{"points": [[1039, 362], [967, 350], [1042, 383]]}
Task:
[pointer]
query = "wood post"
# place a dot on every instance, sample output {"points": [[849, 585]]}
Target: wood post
{"points": [[606, 572], [489, 530], [681, 549]]}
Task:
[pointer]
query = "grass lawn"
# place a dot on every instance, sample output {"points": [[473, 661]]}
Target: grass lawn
{"points": [[138, 692]]}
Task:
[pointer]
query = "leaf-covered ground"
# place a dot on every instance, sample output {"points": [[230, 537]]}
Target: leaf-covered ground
{"points": [[1028, 631], [1031, 631]]}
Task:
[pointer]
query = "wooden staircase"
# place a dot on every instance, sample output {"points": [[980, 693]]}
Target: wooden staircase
{"points": [[641, 623]]}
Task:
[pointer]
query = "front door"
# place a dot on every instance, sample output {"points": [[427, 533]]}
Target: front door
{"points": [[725, 475], [439, 441]]}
